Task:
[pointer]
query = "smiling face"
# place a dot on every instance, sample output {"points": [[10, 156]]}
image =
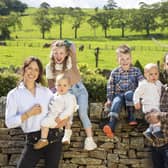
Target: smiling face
{"points": [[59, 54], [31, 72], [124, 60]]}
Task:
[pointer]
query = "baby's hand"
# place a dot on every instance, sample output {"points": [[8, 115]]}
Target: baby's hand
{"points": [[57, 120], [153, 117], [137, 106]]}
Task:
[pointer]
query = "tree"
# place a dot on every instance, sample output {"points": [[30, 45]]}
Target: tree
{"points": [[121, 20], [103, 19], [58, 17], [6, 22], [92, 21], [7, 6], [78, 17], [43, 21], [44, 5], [111, 4], [162, 9], [144, 19]]}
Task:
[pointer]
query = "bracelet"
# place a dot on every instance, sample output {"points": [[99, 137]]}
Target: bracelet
{"points": [[27, 116]]}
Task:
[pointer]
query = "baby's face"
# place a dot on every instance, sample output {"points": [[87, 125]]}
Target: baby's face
{"points": [[124, 61], [152, 75], [62, 86]]}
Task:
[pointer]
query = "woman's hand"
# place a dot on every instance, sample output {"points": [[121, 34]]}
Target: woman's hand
{"points": [[35, 110], [61, 123]]}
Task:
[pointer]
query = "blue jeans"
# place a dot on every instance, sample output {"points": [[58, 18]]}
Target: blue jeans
{"points": [[160, 156], [119, 100], [81, 95]]}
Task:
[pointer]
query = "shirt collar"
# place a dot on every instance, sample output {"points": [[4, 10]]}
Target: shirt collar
{"points": [[22, 86], [121, 70]]}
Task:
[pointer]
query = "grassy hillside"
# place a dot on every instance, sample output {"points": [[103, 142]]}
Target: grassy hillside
{"points": [[29, 42]]}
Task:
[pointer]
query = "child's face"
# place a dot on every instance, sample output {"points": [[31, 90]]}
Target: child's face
{"points": [[152, 75], [166, 63], [62, 86], [59, 54], [124, 60]]}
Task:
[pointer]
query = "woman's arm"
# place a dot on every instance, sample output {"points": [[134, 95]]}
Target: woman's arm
{"points": [[14, 118]]}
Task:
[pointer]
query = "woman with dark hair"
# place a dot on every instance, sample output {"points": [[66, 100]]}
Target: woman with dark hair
{"points": [[27, 105]]}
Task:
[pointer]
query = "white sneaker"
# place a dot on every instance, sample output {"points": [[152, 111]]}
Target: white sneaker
{"points": [[89, 144], [67, 136]]}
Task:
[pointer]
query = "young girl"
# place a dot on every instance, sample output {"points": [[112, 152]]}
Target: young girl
{"points": [[149, 91], [62, 106], [63, 60]]}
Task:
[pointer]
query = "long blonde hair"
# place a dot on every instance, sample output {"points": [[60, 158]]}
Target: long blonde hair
{"points": [[57, 44]]}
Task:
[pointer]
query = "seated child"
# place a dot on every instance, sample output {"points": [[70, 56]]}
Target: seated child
{"points": [[149, 92], [121, 85], [61, 107]]}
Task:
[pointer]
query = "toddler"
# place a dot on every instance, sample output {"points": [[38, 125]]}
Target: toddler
{"points": [[148, 93], [62, 106]]}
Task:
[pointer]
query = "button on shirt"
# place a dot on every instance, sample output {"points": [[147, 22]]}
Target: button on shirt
{"points": [[20, 100], [121, 81]]}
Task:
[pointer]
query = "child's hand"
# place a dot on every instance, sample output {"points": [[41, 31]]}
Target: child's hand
{"points": [[57, 120], [107, 103], [137, 106], [61, 123], [153, 117]]}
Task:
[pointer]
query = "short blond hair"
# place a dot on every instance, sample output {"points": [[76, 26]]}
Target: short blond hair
{"points": [[125, 49], [62, 77], [148, 67]]}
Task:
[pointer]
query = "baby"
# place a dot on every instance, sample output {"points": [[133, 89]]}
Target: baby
{"points": [[148, 93], [61, 107]]}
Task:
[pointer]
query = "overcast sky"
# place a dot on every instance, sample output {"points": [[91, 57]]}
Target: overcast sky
{"points": [[88, 3]]}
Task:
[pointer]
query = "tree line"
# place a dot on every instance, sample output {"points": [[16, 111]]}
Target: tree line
{"points": [[147, 18]]}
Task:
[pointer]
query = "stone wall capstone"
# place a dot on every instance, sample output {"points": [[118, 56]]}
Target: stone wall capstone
{"points": [[128, 149]]}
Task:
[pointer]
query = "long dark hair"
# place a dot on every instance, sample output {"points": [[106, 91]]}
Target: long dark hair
{"points": [[27, 62]]}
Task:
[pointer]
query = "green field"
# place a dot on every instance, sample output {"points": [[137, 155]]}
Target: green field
{"points": [[29, 42]]}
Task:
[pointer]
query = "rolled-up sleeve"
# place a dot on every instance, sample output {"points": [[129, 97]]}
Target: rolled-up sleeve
{"points": [[49, 74], [110, 87]]}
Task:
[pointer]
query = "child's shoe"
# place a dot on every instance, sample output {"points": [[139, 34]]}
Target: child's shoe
{"points": [[148, 136], [158, 134], [41, 143], [89, 144], [107, 130], [67, 136], [132, 123]]}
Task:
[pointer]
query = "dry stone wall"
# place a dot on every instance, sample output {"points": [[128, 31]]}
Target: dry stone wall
{"points": [[128, 149]]}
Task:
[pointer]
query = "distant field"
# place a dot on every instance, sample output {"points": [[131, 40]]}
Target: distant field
{"points": [[145, 51], [29, 42]]}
